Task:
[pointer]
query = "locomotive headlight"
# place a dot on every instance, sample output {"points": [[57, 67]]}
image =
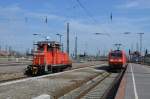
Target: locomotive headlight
{"points": [[111, 60], [34, 56], [120, 60]]}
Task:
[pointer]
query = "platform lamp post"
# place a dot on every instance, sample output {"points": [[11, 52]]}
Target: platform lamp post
{"points": [[35, 34], [141, 38], [60, 36], [105, 34], [76, 47], [128, 33], [38, 34], [43, 36]]}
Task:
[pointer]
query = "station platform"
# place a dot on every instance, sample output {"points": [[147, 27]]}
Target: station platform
{"points": [[135, 83]]}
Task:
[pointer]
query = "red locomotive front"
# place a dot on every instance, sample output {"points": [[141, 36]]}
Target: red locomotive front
{"points": [[117, 59], [48, 57]]}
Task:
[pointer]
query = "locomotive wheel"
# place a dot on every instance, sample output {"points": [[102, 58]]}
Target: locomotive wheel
{"points": [[35, 71], [28, 70], [54, 70], [70, 67]]}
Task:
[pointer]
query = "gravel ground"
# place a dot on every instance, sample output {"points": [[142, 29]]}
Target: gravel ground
{"points": [[55, 85]]}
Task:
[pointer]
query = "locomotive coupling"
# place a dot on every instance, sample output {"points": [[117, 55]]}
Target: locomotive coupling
{"points": [[31, 70], [34, 70]]}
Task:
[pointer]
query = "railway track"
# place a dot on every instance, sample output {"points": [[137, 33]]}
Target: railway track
{"points": [[111, 91], [101, 87], [14, 63], [17, 76], [8, 80]]}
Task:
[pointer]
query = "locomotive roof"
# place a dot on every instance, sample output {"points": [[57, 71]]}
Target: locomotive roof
{"points": [[116, 51], [47, 42]]}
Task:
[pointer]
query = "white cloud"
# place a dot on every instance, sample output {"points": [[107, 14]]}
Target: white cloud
{"points": [[6, 11], [44, 15], [136, 4], [130, 4]]}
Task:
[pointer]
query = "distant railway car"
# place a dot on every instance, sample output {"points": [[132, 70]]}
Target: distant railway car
{"points": [[117, 59], [48, 57]]}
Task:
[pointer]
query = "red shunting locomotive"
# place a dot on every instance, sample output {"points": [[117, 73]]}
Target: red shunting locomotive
{"points": [[48, 57], [117, 59]]}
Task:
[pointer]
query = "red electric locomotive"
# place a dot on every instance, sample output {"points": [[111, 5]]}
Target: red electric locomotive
{"points": [[117, 59], [48, 57]]}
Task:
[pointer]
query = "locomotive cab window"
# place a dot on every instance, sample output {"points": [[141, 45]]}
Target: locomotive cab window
{"points": [[49, 47], [116, 54], [41, 48]]}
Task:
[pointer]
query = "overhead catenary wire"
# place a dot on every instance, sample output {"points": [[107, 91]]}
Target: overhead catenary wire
{"points": [[92, 18], [86, 11]]}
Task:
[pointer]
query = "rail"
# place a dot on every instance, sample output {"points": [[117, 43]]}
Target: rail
{"points": [[94, 89], [112, 90]]}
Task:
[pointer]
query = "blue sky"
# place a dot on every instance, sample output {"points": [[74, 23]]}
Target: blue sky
{"points": [[128, 16]]}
